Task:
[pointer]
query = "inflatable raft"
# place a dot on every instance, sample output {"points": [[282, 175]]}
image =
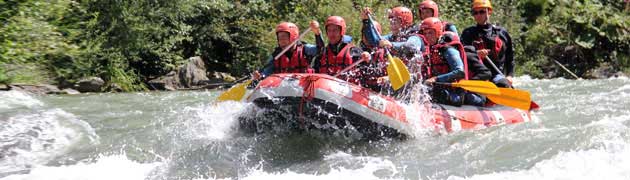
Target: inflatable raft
{"points": [[318, 101]]}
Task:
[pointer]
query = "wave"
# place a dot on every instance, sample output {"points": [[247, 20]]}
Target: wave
{"points": [[106, 167]]}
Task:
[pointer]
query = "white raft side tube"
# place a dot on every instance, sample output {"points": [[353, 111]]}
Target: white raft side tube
{"points": [[456, 124]]}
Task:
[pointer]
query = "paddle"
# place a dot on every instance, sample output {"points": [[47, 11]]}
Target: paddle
{"points": [[349, 67], [237, 92], [396, 70], [482, 87], [511, 97]]}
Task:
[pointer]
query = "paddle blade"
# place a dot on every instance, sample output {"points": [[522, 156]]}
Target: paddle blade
{"points": [[513, 98], [481, 87], [397, 72], [235, 93]]}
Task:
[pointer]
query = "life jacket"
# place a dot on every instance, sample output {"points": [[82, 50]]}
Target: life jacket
{"points": [[490, 41], [298, 62], [332, 63], [437, 65], [471, 54]]}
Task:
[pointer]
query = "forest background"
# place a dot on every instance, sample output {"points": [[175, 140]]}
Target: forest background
{"points": [[129, 42]]}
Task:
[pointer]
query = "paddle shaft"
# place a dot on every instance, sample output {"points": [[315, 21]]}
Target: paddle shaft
{"points": [[532, 104], [349, 67], [493, 65]]}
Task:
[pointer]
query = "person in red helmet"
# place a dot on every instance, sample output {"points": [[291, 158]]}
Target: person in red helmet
{"points": [[491, 41], [446, 64], [377, 66], [339, 53], [297, 58], [403, 42], [429, 8]]}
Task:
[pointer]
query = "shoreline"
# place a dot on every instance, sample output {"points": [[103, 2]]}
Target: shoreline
{"points": [[46, 89]]}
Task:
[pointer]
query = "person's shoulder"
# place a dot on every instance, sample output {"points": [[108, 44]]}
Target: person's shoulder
{"points": [[469, 31], [346, 39], [499, 28]]}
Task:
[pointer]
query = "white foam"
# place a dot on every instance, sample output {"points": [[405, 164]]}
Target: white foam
{"points": [[14, 99], [369, 168], [607, 157], [36, 138], [212, 122], [117, 167], [588, 164]]}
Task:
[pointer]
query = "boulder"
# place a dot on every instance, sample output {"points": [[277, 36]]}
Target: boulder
{"points": [[4, 87], [168, 82], [90, 84], [604, 71], [192, 73]]}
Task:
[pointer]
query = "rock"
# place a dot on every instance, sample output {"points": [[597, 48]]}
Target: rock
{"points": [[114, 88], [620, 74], [4, 87], [40, 89], [192, 73], [168, 82], [604, 71], [91, 84], [70, 91]]}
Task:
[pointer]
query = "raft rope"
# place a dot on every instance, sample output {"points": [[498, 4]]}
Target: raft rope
{"points": [[307, 96]]}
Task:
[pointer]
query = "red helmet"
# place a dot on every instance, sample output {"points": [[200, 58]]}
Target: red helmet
{"points": [[291, 28], [404, 14], [432, 23], [429, 4], [338, 21]]}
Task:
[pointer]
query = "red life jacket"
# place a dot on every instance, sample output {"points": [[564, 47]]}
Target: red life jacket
{"points": [[331, 64], [437, 65], [297, 64], [492, 42]]}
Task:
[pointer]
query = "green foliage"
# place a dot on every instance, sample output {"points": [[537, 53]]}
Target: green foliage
{"points": [[130, 42], [582, 35]]}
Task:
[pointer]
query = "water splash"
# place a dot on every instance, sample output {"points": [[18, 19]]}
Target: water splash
{"points": [[210, 121], [17, 99], [106, 168]]}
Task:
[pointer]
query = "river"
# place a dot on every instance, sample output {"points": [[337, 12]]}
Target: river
{"points": [[582, 132]]}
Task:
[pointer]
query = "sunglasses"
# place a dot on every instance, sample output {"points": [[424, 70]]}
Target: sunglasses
{"points": [[479, 12]]}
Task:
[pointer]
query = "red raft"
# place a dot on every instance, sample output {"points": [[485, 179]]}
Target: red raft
{"points": [[318, 101]]}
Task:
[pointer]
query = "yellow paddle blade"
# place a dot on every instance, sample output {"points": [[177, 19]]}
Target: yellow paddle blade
{"points": [[397, 72], [481, 87], [512, 97], [235, 93]]}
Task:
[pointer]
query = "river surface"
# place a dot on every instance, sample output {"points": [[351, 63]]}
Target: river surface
{"points": [[582, 132]]}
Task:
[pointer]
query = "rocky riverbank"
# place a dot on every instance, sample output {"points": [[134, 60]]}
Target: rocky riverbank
{"points": [[193, 75], [190, 76]]}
